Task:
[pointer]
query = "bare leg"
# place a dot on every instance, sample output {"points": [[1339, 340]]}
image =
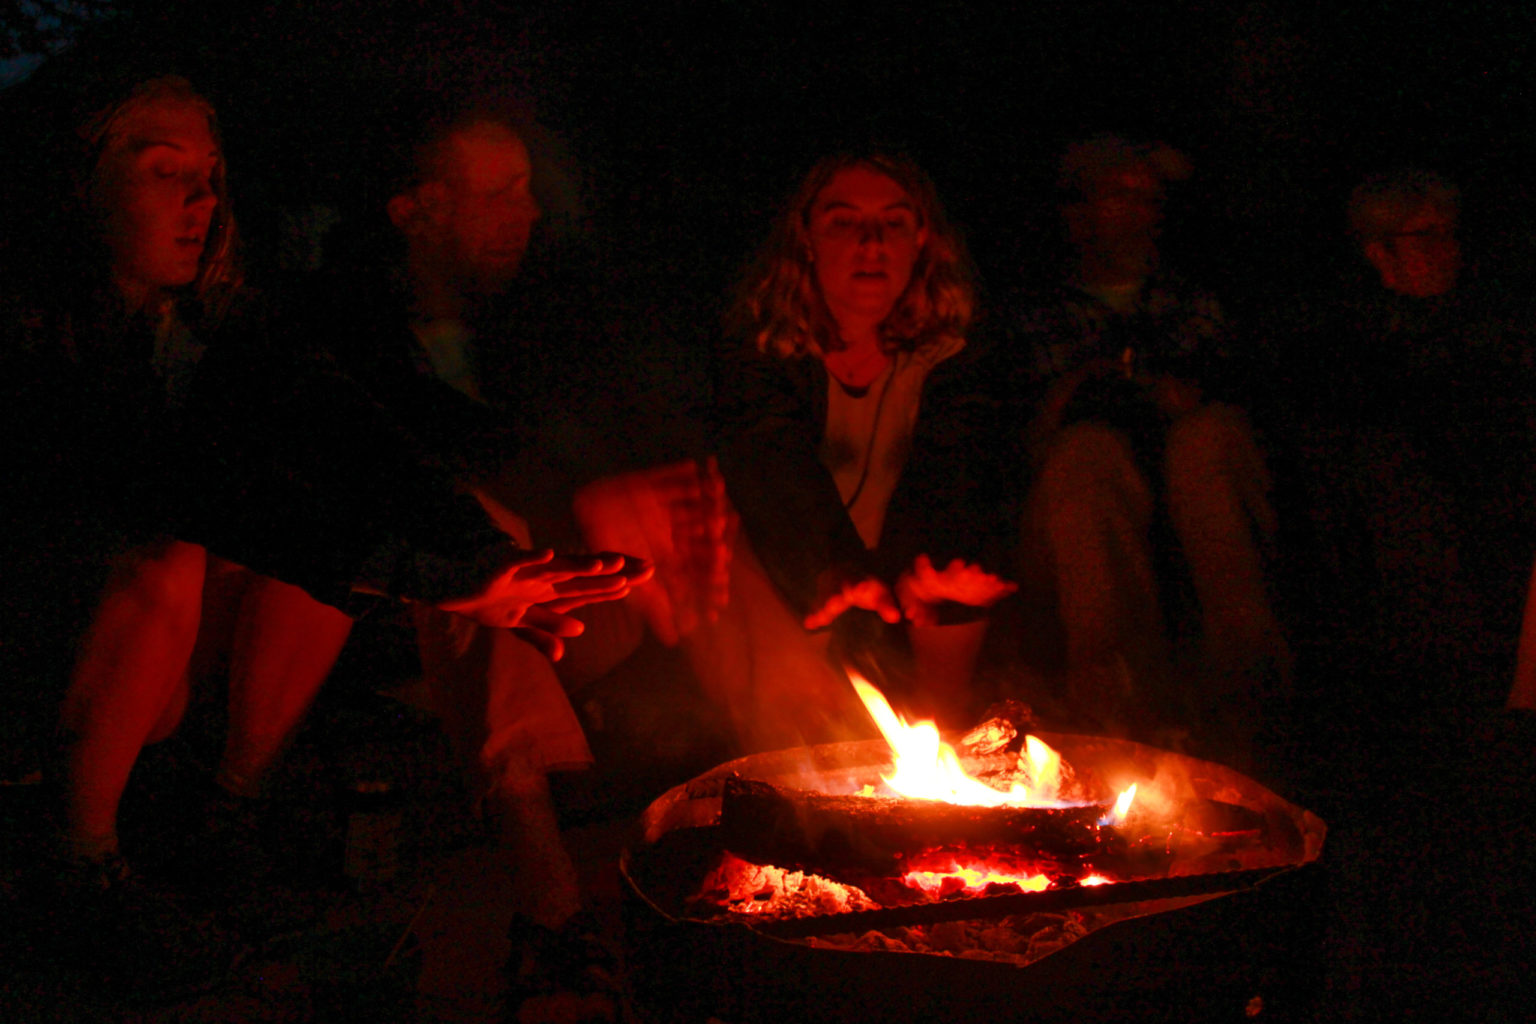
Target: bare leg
{"points": [[285, 645], [522, 819], [510, 723], [132, 662]]}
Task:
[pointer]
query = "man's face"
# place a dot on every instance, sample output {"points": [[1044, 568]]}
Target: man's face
{"points": [[1422, 258], [155, 194], [1119, 217], [481, 213]]}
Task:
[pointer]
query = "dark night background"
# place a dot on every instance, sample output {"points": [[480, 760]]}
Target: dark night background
{"points": [[677, 127], [684, 123]]}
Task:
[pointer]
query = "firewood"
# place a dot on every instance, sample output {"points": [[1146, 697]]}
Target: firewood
{"points": [[876, 836]]}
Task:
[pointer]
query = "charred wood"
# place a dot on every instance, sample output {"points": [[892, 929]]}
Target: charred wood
{"points": [[861, 837]]}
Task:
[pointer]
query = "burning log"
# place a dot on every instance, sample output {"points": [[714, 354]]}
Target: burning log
{"points": [[859, 837]]}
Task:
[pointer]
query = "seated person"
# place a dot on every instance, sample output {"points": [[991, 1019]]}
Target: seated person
{"points": [[1412, 414], [1117, 398], [105, 354], [853, 441], [397, 353]]}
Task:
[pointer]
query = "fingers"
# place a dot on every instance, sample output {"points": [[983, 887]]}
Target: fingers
{"points": [[564, 605], [592, 588], [556, 624], [563, 567], [882, 603], [547, 630], [870, 594], [826, 614], [636, 570], [552, 647], [917, 611], [921, 584], [603, 568], [527, 558], [960, 582]]}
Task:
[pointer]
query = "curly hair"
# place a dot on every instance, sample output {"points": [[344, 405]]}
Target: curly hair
{"points": [[780, 308], [219, 275]]}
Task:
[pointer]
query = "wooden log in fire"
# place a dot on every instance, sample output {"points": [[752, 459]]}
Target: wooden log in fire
{"points": [[876, 836]]}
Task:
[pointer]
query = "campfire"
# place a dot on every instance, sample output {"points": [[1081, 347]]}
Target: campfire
{"points": [[1007, 844]]}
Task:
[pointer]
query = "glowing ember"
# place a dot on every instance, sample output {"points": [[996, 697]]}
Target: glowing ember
{"points": [[973, 880], [927, 768]]}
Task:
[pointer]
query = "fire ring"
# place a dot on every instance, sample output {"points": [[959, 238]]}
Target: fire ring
{"points": [[1209, 929]]}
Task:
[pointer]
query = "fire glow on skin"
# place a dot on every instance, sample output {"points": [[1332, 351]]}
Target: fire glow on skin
{"points": [[157, 195]]}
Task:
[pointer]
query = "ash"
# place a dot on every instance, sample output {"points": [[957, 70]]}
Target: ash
{"points": [[1019, 939], [739, 889]]}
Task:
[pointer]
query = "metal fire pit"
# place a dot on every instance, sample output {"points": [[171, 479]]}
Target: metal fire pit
{"points": [[1220, 936]]}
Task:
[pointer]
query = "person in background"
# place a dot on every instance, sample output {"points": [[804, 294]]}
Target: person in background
{"points": [[1135, 452], [854, 443], [405, 336], [1411, 403], [131, 275], [135, 283]]}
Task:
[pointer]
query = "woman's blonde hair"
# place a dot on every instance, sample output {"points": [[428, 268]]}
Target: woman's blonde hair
{"points": [[218, 273], [779, 306]]}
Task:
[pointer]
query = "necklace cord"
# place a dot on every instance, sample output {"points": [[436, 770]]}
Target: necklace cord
{"points": [[869, 446]]}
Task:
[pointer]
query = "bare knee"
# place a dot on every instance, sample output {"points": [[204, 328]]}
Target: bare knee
{"points": [[163, 580]]}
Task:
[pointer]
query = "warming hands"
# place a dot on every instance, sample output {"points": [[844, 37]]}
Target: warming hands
{"points": [[839, 591], [919, 592], [535, 591], [922, 588]]}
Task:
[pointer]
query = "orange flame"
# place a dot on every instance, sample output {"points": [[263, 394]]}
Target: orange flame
{"points": [[1122, 806], [927, 768]]}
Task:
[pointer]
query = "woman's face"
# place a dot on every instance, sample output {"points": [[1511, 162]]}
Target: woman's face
{"points": [[154, 191], [866, 235]]}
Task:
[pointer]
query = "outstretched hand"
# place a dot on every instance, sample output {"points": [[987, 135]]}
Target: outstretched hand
{"points": [[922, 588], [840, 593], [535, 592]]}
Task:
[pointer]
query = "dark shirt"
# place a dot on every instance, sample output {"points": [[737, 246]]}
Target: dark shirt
{"points": [[333, 460], [1173, 329], [949, 501], [94, 421]]}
